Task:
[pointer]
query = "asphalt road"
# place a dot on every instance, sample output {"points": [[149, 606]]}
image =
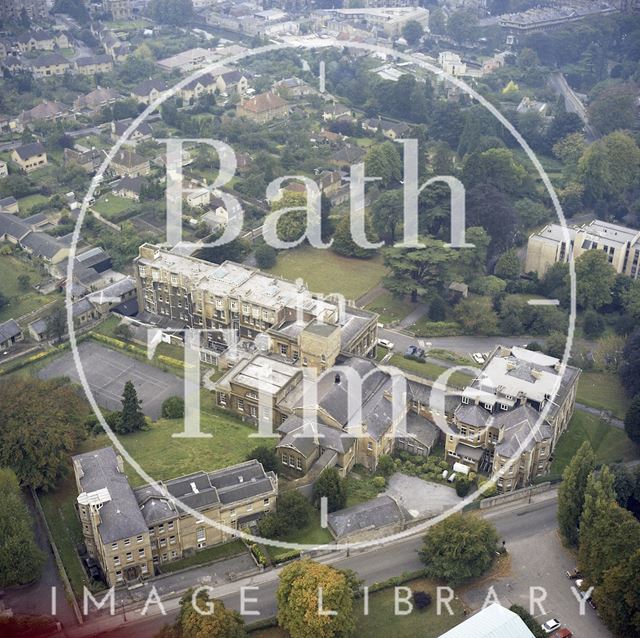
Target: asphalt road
{"points": [[522, 526]]}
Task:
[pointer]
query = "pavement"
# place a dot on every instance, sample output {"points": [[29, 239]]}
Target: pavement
{"points": [[519, 524], [421, 498], [107, 371]]}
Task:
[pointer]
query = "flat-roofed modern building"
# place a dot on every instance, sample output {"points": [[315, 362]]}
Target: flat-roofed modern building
{"points": [[554, 243], [130, 532]]}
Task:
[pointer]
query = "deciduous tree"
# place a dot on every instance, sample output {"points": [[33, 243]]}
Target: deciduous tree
{"points": [[301, 585], [459, 548]]}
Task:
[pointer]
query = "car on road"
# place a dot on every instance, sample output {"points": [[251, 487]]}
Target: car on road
{"points": [[562, 633], [385, 343], [551, 625]]}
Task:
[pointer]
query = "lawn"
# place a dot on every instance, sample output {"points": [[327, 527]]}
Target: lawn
{"points": [[312, 534], [360, 489], [429, 370], [382, 622], [325, 272], [603, 391], [25, 203], [164, 457], [226, 550], [110, 205], [20, 301], [610, 444], [389, 308]]}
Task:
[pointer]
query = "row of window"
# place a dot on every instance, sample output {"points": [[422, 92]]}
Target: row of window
{"points": [[291, 461], [127, 542], [129, 557]]}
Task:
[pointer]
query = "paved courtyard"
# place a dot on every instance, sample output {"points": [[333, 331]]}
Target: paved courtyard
{"points": [[107, 371], [421, 498]]}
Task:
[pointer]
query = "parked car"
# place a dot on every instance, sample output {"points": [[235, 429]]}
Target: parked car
{"points": [[573, 574], [385, 343], [562, 633], [420, 353], [551, 625], [478, 357], [411, 351]]}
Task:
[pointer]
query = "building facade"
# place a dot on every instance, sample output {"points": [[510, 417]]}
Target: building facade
{"points": [[131, 532], [554, 244], [302, 328], [11, 10], [516, 409]]}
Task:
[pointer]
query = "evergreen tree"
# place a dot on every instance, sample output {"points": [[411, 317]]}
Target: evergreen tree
{"points": [[437, 309], [632, 420], [608, 533], [571, 492], [332, 486], [131, 418]]}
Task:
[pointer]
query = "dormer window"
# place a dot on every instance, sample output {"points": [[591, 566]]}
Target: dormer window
{"points": [[489, 407], [504, 406]]}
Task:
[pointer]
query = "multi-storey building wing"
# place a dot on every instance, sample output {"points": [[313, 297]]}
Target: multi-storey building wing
{"points": [[303, 329], [554, 244], [131, 532], [518, 407]]}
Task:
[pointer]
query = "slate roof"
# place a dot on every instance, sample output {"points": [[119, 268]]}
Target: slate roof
{"points": [[377, 513], [421, 429], [144, 88], [42, 245], [49, 59], [90, 60], [44, 111], [12, 226], [133, 184], [9, 329], [126, 157], [120, 127], [120, 517], [30, 150]]}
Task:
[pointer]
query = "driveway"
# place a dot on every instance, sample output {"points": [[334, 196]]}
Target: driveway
{"points": [[539, 561], [421, 498]]}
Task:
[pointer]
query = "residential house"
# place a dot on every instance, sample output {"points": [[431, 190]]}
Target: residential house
{"points": [[205, 84], [232, 82], [41, 41], [263, 108], [30, 157], [334, 112], [554, 243], [293, 87], [113, 295], [46, 248], [94, 64], [39, 330], [127, 163], [87, 158], [501, 416], [46, 112], [94, 101], [148, 91], [10, 334], [129, 187], [142, 132], [394, 130], [347, 155], [48, 65], [131, 532]]}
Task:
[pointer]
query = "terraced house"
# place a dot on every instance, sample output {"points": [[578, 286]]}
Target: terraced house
{"points": [[131, 532], [517, 408], [302, 328]]}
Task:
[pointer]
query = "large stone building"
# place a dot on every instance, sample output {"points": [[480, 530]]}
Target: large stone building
{"points": [[131, 531], [119, 9], [550, 245], [302, 328], [263, 108], [12, 9], [501, 416]]}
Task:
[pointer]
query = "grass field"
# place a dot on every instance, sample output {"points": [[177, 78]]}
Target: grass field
{"points": [[110, 205], [20, 301], [390, 308], [360, 490], [603, 391], [312, 534], [326, 272], [204, 556], [25, 203], [429, 370], [610, 444], [382, 622]]}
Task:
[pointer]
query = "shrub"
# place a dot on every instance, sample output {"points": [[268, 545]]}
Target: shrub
{"points": [[421, 599], [173, 408], [386, 465], [463, 485], [266, 256], [379, 482]]}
